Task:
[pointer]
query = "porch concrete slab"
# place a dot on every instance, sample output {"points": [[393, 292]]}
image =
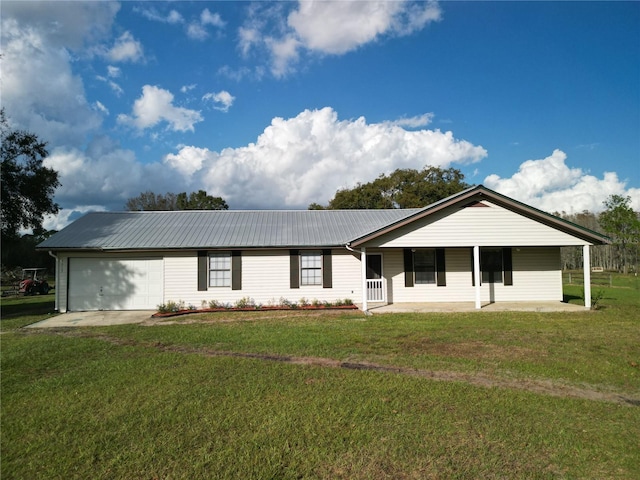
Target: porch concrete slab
{"points": [[470, 307], [94, 319]]}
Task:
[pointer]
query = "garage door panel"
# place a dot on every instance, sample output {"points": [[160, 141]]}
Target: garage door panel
{"points": [[115, 284]]}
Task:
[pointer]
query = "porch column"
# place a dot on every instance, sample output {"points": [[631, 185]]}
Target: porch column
{"points": [[586, 267], [476, 274], [363, 269]]}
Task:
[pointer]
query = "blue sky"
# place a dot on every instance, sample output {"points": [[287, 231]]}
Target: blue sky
{"points": [[279, 104]]}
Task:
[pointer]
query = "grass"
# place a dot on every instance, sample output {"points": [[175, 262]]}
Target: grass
{"points": [[178, 401]]}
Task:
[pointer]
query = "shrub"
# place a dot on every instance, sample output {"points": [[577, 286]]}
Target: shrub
{"points": [[245, 302]]}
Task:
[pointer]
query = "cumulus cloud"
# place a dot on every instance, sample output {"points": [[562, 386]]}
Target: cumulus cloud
{"points": [[330, 28], [125, 49], [71, 25], [57, 110], [155, 105], [305, 159], [551, 185], [339, 27], [221, 101]]}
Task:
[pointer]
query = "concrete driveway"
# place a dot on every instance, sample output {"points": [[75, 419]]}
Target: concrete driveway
{"points": [[94, 319]]}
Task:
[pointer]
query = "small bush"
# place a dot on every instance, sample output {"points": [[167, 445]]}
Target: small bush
{"points": [[245, 302]]}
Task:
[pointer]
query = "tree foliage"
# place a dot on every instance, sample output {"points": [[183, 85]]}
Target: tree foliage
{"points": [[27, 185], [149, 201], [404, 188], [621, 223]]}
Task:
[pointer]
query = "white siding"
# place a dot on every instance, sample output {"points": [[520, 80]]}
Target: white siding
{"points": [[491, 225], [265, 279], [536, 277]]}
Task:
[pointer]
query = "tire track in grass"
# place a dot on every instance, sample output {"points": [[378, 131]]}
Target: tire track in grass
{"points": [[543, 387]]}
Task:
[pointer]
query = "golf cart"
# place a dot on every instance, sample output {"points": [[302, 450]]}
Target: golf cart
{"points": [[34, 280]]}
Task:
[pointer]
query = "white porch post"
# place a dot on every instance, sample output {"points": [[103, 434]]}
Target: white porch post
{"points": [[476, 274], [363, 267], [586, 266]]}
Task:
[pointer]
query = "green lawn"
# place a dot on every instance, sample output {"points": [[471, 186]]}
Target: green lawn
{"points": [[265, 395]]}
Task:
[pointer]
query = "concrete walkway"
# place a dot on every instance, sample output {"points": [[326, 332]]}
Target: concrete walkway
{"points": [[94, 319], [470, 307]]}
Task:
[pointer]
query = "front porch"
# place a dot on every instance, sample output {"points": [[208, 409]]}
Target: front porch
{"points": [[437, 307]]}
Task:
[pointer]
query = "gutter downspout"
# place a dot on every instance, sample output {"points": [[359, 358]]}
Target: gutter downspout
{"points": [[363, 274], [57, 283]]}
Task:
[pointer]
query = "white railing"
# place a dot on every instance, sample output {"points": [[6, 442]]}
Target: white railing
{"points": [[375, 290]]}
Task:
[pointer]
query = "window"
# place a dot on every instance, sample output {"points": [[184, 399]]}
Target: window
{"points": [[219, 270], [424, 264], [491, 265], [311, 268]]}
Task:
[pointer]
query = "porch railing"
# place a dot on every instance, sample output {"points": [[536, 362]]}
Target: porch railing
{"points": [[375, 290]]}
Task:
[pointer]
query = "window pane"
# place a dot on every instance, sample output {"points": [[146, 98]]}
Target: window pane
{"points": [[311, 268], [424, 265], [491, 265], [219, 270]]}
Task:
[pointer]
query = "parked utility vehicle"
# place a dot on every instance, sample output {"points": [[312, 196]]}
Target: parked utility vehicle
{"points": [[34, 280]]}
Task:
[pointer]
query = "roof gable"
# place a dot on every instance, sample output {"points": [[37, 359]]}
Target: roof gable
{"points": [[475, 196]]}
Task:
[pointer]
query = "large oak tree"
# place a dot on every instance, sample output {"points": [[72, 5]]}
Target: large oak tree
{"points": [[27, 185], [404, 188]]}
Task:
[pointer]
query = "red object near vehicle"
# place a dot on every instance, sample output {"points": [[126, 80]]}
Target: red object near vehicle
{"points": [[34, 280]]}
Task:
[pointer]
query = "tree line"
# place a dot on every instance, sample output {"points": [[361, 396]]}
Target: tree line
{"points": [[621, 224]]}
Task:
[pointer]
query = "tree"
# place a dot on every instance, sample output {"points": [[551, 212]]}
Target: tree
{"points": [[404, 188], [622, 224], [200, 201], [149, 201], [27, 185]]}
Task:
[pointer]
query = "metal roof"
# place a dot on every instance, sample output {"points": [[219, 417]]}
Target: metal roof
{"points": [[221, 229]]}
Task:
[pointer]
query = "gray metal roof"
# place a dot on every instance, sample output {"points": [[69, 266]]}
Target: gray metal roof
{"points": [[221, 229]]}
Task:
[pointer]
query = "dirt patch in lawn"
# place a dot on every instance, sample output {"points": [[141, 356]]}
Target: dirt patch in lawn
{"points": [[479, 379]]}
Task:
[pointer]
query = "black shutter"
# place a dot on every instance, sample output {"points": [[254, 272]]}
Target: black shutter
{"points": [[408, 267], [441, 275], [327, 273], [203, 270], [507, 265], [294, 269], [236, 270]]}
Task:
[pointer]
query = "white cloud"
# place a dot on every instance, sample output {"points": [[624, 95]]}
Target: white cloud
{"points": [[208, 18], [339, 27], [550, 185], [222, 100], [305, 159], [414, 122], [330, 28], [173, 17], [57, 110], [71, 25], [187, 88], [197, 30], [126, 49], [100, 107], [113, 72], [155, 105]]}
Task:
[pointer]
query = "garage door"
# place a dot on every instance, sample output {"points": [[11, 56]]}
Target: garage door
{"points": [[115, 284]]}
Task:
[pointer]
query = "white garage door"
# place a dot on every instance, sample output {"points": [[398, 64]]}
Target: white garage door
{"points": [[115, 284]]}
